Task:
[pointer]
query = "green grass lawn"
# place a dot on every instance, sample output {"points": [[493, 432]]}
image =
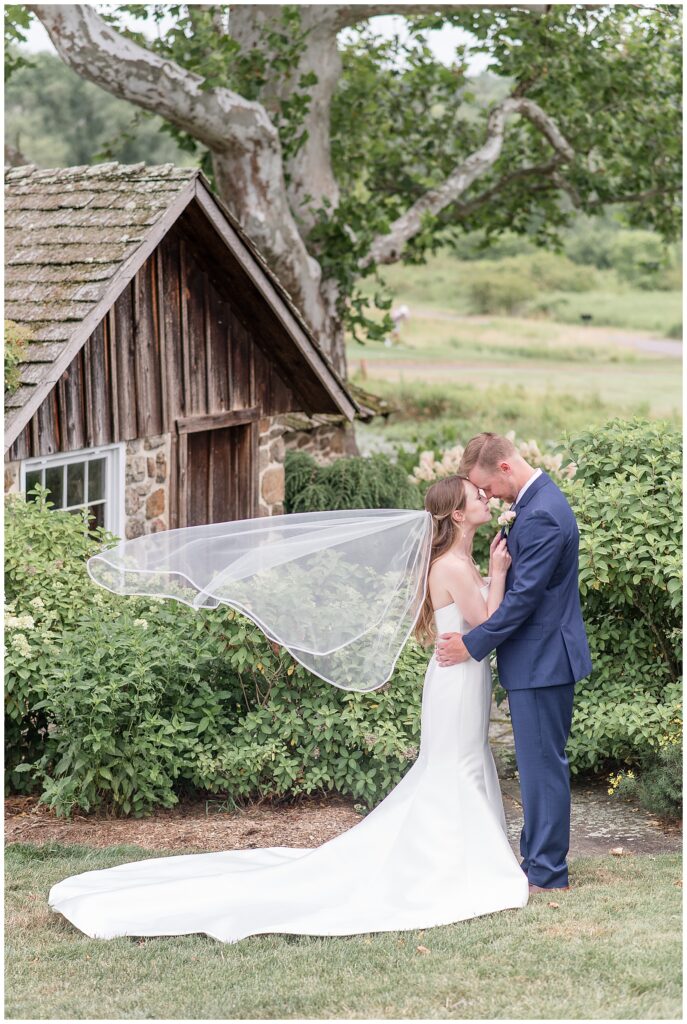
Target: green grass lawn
{"points": [[611, 949]]}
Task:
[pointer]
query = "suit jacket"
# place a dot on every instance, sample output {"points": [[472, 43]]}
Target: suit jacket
{"points": [[537, 629]]}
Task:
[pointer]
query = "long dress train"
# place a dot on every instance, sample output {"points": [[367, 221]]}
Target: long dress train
{"points": [[433, 852]]}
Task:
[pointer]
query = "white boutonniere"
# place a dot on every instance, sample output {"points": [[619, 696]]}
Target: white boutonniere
{"points": [[506, 519]]}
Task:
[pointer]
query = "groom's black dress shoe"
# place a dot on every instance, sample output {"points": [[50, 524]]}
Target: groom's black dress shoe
{"points": [[536, 889]]}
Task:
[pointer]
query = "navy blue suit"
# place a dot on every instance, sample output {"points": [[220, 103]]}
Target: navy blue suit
{"points": [[542, 651]]}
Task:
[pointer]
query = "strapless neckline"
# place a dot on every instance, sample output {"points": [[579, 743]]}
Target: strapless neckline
{"points": [[486, 580]]}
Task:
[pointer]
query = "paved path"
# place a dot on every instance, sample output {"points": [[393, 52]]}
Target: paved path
{"points": [[599, 822]]}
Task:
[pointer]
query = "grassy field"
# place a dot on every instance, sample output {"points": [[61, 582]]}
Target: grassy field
{"points": [[445, 282], [534, 375], [625, 362], [610, 949]]}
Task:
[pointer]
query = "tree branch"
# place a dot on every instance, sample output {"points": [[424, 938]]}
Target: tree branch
{"points": [[351, 14], [538, 170], [637, 197], [245, 147], [219, 118], [387, 248]]}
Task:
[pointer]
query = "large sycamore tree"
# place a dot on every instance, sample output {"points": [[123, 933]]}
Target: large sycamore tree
{"points": [[340, 151]]}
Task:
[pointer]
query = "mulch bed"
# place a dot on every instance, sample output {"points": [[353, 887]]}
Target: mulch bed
{"points": [[189, 825]]}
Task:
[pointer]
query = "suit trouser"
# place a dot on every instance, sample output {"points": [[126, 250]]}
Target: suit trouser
{"points": [[541, 719]]}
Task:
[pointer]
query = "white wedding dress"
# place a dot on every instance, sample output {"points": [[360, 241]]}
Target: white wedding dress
{"points": [[433, 852]]}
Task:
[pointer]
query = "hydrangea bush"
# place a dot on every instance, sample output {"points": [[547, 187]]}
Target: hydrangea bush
{"points": [[129, 703]]}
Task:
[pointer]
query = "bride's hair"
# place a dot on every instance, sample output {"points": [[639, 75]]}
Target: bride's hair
{"points": [[442, 498]]}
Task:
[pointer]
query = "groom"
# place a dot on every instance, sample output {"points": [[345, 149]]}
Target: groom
{"points": [[540, 643]]}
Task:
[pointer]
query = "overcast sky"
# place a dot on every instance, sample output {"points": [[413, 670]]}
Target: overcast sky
{"points": [[443, 42]]}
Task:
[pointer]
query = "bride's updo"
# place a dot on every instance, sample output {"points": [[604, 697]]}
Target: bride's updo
{"points": [[442, 499]]}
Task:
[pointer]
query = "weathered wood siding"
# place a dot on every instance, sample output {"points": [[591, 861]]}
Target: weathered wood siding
{"points": [[180, 341]]}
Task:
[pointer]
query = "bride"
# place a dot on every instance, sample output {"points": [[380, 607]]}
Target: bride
{"points": [[433, 852]]}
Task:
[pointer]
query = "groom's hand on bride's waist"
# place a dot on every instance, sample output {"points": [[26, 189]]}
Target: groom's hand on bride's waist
{"points": [[450, 649]]}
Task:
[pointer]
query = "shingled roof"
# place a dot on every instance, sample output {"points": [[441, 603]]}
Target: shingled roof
{"points": [[75, 237]]}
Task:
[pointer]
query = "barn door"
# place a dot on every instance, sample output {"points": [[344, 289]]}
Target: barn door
{"points": [[217, 469]]}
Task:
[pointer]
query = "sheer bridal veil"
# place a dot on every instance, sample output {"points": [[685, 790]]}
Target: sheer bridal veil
{"points": [[341, 591]]}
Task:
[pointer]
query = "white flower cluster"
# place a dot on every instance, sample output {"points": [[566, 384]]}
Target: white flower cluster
{"points": [[141, 623], [553, 464], [430, 468], [21, 644], [19, 622]]}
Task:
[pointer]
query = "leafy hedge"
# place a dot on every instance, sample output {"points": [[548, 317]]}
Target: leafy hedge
{"points": [[627, 496], [128, 703]]}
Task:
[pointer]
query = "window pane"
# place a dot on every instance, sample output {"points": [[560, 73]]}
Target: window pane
{"points": [[33, 477], [53, 481], [96, 479], [75, 483], [99, 512]]}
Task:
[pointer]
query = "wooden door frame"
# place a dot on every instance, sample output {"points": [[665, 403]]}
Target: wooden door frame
{"points": [[179, 455]]}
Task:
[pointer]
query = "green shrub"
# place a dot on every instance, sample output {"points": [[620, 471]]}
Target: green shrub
{"points": [[658, 788], [126, 703], [47, 591], [498, 290], [357, 482], [642, 259], [513, 285], [145, 709], [626, 495], [558, 273]]}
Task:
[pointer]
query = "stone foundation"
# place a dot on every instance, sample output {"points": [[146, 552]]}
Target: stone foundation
{"points": [[12, 477], [146, 483], [325, 441], [271, 452], [147, 467], [324, 438]]}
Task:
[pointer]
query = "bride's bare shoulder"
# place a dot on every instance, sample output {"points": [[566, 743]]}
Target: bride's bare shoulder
{"points": [[449, 564]]}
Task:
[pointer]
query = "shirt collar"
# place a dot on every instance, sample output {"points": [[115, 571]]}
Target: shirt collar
{"points": [[537, 473]]}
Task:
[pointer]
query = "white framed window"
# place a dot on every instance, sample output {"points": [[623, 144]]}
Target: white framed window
{"points": [[92, 478]]}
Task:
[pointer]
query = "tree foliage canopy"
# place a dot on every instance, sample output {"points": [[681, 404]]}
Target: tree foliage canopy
{"points": [[341, 150]]}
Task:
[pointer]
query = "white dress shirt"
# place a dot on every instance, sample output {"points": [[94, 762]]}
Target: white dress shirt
{"points": [[531, 480]]}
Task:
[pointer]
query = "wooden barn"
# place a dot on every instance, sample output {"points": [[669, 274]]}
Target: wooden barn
{"points": [[162, 356]]}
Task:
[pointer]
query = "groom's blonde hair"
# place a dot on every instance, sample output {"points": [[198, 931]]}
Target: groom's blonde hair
{"points": [[486, 450]]}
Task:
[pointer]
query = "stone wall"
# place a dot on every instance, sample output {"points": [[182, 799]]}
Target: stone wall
{"points": [[146, 479], [325, 441], [271, 466], [322, 439], [147, 468], [12, 476]]}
